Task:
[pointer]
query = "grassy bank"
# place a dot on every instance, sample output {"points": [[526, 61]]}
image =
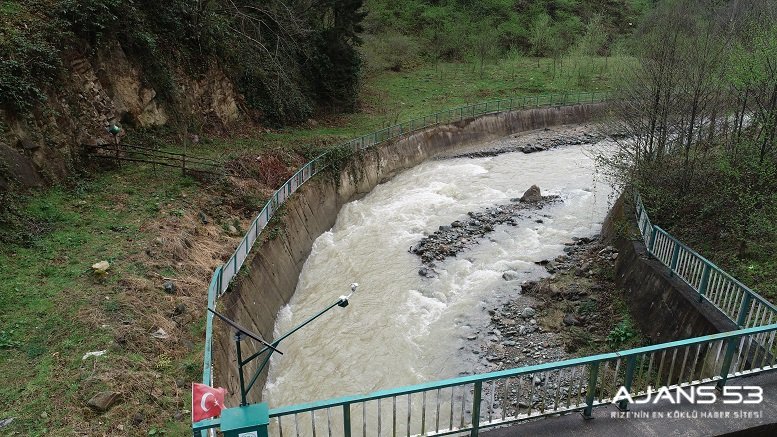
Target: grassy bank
{"points": [[155, 227]]}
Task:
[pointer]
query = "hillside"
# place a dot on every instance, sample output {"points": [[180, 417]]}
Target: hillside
{"points": [[406, 32], [70, 68]]}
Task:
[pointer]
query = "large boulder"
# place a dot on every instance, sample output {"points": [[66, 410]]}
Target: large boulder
{"points": [[532, 195]]}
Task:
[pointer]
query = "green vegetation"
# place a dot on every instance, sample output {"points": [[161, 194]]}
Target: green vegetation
{"points": [[621, 333], [53, 309], [286, 58], [700, 111], [289, 64], [459, 30]]}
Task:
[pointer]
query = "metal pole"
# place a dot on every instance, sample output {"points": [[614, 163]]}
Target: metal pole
{"points": [[675, 255], [347, 420], [476, 409], [275, 343], [731, 343], [630, 365], [238, 339], [652, 239], [705, 279], [590, 394]]}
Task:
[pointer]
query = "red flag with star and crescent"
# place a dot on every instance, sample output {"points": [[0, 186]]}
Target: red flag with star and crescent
{"points": [[207, 401]]}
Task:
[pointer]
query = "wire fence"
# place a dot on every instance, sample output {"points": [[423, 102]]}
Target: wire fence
{"points": [[122, 152]]}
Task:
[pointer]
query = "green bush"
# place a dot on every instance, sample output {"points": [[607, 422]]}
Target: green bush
{"points": [[621, 333], [28, 63]]}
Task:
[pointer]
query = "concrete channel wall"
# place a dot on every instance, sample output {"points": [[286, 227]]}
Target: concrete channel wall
{"points": [[663, 306], [670, 308], [270, 277]]}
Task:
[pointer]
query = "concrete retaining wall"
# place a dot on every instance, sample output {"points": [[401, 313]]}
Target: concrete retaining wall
{"points": [[270, 277], [664, 307]]}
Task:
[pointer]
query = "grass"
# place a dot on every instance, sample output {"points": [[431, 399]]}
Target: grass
{"points": [[54, 309], [393, 97]]}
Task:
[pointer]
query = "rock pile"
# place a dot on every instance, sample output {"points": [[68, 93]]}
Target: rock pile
{"points": [[540, 143], [451, 239]]}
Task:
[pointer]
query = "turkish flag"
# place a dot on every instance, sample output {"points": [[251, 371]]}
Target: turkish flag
{"points": [[207, 401]]}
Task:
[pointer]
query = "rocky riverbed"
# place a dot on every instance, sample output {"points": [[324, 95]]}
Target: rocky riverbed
{"points": [[532, 141], [449, 240], [568, 314]]}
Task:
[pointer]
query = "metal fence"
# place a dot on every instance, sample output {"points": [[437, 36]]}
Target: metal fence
{"points": [[735, 300], [469, 404], [233, 264]]}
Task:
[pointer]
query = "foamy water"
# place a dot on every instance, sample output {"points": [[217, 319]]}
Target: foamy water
{"points": [[401, 328]]}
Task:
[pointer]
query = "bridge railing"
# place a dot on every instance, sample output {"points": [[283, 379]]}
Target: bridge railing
{"points": [[735, 300], [472, 403]]}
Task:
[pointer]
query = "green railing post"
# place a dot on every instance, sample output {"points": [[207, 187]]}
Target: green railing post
{"points": [[476, 408], [746, 299], [705, 279], [675, 256], [631, 363], [653, 233], [731, 344], [590, 394], [347, 420]]}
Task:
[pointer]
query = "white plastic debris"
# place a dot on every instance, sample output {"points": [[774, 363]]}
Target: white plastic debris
{"points": [[93, 354], [160, 334]]}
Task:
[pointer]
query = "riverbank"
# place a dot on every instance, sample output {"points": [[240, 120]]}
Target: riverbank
{"points": [[533, 141]]}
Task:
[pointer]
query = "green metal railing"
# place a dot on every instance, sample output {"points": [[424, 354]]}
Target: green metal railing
{"points": [[235, 262], [224, 274], [735, 300], [471, 403]]}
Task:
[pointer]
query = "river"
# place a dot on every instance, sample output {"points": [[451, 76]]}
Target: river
{"points": [[402, 328]]}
